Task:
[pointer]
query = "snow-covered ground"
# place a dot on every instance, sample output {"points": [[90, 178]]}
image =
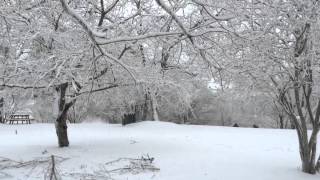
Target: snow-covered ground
{"points": [[182, 152]]}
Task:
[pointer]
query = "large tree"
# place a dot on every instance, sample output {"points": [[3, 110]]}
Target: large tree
{"points": [[282, 60], [84, 47]]}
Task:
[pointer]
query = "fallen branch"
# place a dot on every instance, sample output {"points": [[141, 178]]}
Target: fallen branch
{"points": [[134, 166], [120, 166], [45, 163], [52, 173], [6, 163]]}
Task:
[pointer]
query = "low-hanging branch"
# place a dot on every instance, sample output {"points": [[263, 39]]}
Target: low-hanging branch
{"points": [[23, 86], [108, 87]]}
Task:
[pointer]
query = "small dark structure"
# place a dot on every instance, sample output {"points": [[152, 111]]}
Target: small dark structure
{"points": [[128, 119], [235, 125], [1, 110], [19, 118], [255, 126]]}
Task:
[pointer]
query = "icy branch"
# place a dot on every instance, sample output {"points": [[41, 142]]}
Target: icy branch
{"points": [[173, 15], [145, 36], [91, 34], [22, 86], [81, 21]]}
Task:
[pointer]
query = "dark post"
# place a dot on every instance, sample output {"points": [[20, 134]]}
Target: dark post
{"points": [[1, 110]]}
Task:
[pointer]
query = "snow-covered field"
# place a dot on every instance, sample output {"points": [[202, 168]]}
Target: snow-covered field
{"points": [[182, 152]]}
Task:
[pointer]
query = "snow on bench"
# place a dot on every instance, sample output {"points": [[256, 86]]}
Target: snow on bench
{"points": [[19, 118]]}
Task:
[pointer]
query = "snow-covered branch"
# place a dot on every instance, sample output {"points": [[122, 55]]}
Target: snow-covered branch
{"points": [[141, 37], [165, 7], [22, 86], [92, 35]]}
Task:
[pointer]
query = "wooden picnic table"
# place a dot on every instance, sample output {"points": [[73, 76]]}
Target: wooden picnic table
{"points": [[23, 118]]}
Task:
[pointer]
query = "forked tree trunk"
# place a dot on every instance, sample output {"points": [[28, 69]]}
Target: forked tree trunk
{"points": [[61, 121], [307, 146], [302, 92], [308, 167], [309, 163], [308, 159]]}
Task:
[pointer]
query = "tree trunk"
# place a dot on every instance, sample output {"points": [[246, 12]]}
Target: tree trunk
{"points": [[308, 148], [281, 121], [222, 118], [61, 121], [1, 110], [154, 108], [318, 164], [308, 167], [62, 130], [309, 154], [150, 111]]}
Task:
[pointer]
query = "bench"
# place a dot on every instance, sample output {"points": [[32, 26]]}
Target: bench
{"points": [[19, 118]]}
